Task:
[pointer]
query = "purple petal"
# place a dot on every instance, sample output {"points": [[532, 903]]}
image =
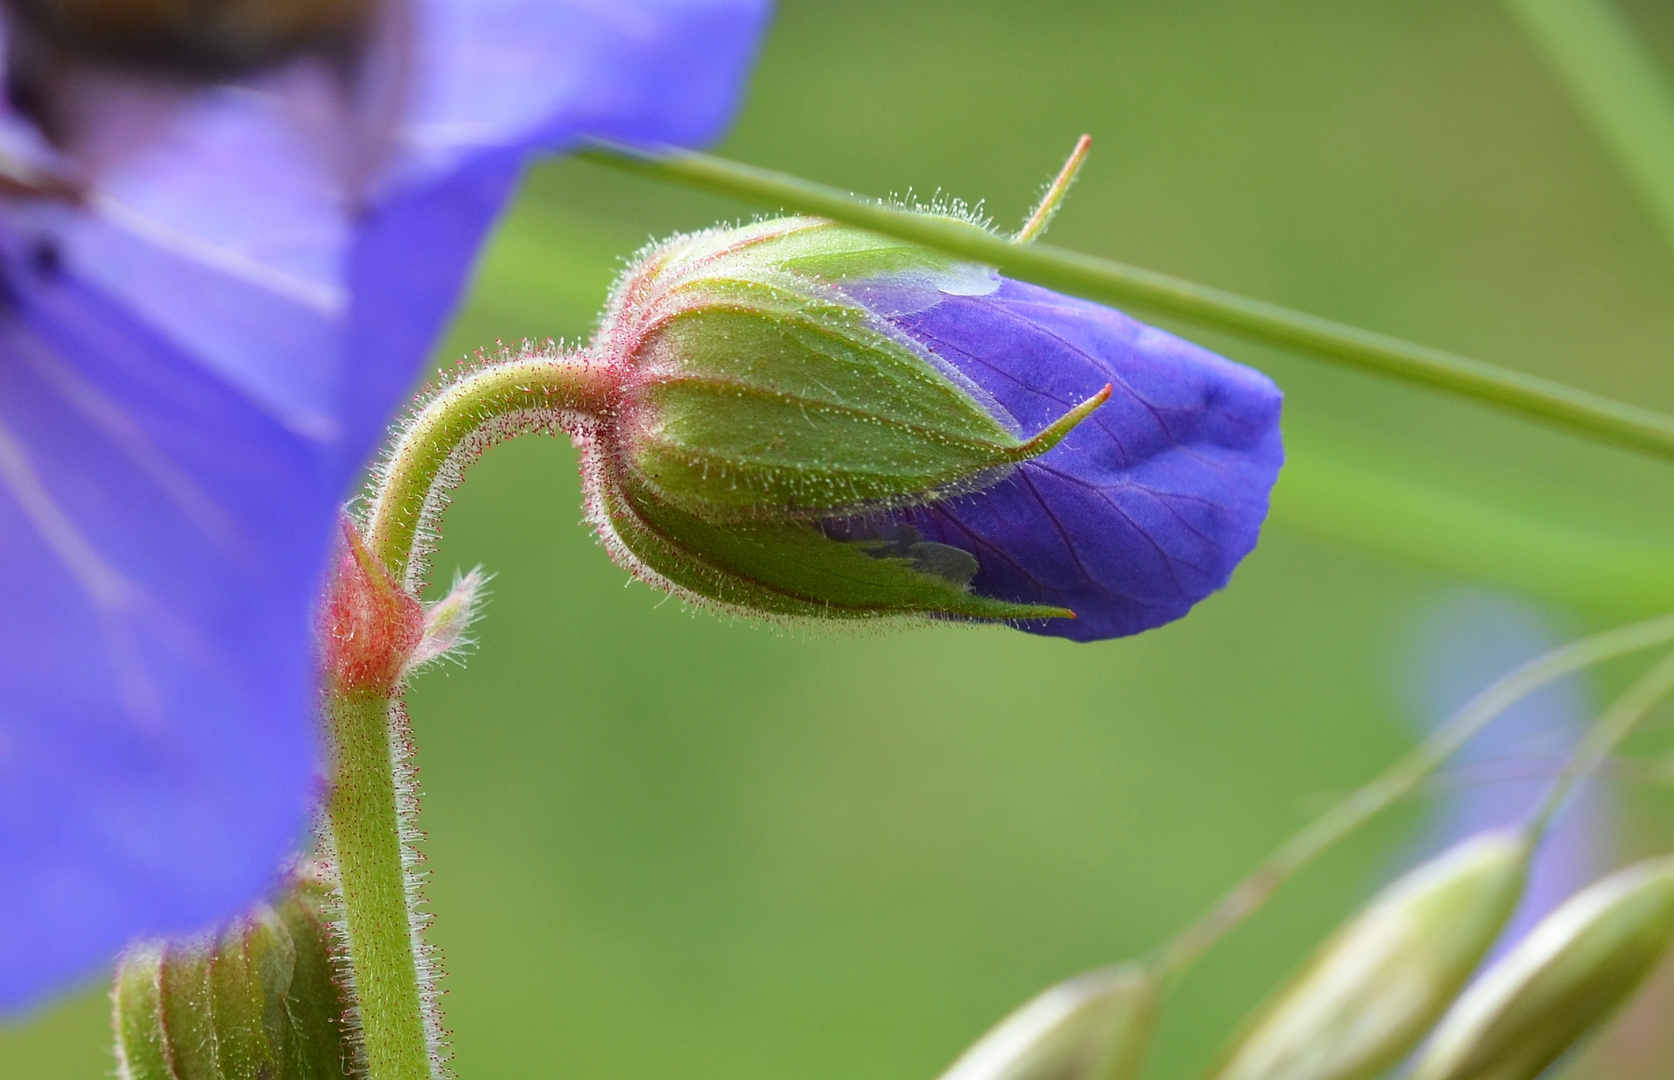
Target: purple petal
{"points": [[193, 364], [1144, 509]]}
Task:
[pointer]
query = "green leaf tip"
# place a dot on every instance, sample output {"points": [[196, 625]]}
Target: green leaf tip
{"points": [[1053, 200]]}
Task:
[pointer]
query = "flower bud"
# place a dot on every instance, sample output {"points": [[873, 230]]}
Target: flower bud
{"points": [[1567, 975], [1096, 1026], [1375, 988], [258, 1001], [773, 422]]}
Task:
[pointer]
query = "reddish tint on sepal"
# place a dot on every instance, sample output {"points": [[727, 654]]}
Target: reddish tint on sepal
{"points": [[371, 626]]}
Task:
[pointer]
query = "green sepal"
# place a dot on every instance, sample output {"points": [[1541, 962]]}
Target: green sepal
{"points": [[249, 976], [762, 393], [318, 1043], [259, 1001], [765, 402], [833, 253], [795, 570], [137, 1001], [188, 1012]]}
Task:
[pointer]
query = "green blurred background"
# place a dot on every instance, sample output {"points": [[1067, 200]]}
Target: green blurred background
{"points": [[666, 845]]}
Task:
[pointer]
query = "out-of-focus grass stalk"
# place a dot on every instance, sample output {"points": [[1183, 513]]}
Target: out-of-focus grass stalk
{"points": [[1578, 411], [1561, 558], [1606, 734], [1617, 87], [1246, 898]]}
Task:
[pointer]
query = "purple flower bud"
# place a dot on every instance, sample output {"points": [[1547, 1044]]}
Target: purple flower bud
{"points": [[813, 420]]}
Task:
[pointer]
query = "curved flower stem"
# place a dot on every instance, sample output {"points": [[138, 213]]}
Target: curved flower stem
{"points": [[1108, 281], [1253, 892], [414, 475], [370, 808]]}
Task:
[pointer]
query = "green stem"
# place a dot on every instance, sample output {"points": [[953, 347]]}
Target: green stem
{"points": [[1617, 87], [364, 810], [420, 468], [1604, 736], [366, 832], [1104, 280], [1253, 892]]}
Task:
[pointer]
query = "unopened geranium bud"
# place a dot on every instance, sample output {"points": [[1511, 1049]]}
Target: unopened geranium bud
{"points": [[779, 423], [259, 1000], [1559, 982], [1096, 1026], [1372, 992]]}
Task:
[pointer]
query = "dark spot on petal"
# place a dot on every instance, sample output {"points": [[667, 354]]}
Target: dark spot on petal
{"points": [[8, 292], [46, 259]]}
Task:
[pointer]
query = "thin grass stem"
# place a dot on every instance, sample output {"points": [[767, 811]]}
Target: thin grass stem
{"points": [[1618, 88], [1248, 897], [1601, 740], [1578, 411]]}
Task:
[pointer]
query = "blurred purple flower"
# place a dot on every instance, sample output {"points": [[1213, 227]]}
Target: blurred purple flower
{"points": [[1146, 507], [195, 357]]}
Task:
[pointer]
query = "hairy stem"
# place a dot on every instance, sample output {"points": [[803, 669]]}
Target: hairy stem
{"points": [[366, 833], [410, 476], [365, 809], [1105, 280], [1253, 892]]}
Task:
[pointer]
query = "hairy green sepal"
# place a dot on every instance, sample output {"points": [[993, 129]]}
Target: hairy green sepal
{"points": [[765, 393], [259, 1001], [796, 571], [762, 397]]}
